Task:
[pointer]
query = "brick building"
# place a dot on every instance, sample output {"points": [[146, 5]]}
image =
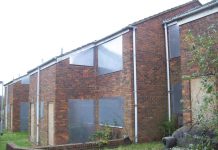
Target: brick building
{"points": [[197, 21], [16, 104], [119, 80]]}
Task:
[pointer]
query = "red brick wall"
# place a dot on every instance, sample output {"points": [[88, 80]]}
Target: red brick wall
{"points": [[47, 94], [81, 82], [17, 93], [21, 94], [72, 82], [197, 27], [120, 83], [10, 102], [151, 73]]}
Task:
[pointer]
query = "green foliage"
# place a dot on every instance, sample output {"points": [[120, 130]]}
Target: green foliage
{"points": [[168, 127], [18, 138], [204, 52], [145, 146], [102, 136]]}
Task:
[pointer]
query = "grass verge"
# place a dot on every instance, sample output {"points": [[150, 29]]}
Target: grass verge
{"points": [[145, 146], [18, 138]]}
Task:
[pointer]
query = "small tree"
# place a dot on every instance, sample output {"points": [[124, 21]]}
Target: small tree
{"points": [[204, 56]]}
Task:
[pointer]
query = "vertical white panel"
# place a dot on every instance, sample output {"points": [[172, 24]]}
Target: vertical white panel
{"points": [[51, 123]]}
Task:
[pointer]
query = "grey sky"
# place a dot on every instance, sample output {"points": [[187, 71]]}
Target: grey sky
{"points": [[32, 30]]}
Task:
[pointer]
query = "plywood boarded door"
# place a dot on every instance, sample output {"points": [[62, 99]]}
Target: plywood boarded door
{"points": [[51, 123], [11, 119], [32, 122], [197, 96]]}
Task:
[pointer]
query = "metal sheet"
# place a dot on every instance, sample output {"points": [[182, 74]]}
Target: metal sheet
{"points": [[80, 120], [85, 58], [176, 104], [174, 41], [110, 56], [111, 111], [25, 80], [24, 110]]}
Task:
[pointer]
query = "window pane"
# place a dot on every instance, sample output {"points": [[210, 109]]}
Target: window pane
{"points": [[111, 111], [110, 57], [25, 80], [81, 120], [174, 46], [84, 58]]}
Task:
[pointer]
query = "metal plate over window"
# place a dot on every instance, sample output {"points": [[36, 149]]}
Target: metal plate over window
{"points": [[85, 58], [110, 57], [25, 80], [174, 41], [81, 122], [176, 98], [24, 111], [111, 111]]}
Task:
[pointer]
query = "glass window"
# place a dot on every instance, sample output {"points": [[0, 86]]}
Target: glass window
{"points": [[84, 58], [25, 80], [81, 123], [174, 43], [110, 57], [111, 111]]}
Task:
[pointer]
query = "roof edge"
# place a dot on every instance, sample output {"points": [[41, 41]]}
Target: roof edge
{"points": [[192, 12], [165, 11]]}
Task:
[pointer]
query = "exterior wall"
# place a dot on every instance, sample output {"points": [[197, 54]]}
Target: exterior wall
{"points": [[120, 83], [20, 94], [17, 93], [73, 82], [65, 81], [10, 103], [197, 27], [151, 74], [46, 94]]}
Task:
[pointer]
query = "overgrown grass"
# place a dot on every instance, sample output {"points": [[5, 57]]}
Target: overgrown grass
{"points": [[18, 138], [146, 146]]}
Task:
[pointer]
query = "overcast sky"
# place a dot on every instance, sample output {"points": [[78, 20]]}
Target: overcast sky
{"points": [[36, 30]]}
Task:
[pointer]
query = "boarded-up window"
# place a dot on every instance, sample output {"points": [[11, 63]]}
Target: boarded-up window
{"points": [[174, 43], [80, 120], [176, 95], [24, 111], [41, 109], [111, 111], [110, 57], [85, 58], [198, 94]]}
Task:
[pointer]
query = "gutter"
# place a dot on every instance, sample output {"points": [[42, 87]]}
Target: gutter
{"points": [[135, 82], [168, 72], [202, 8], [37, 106]]}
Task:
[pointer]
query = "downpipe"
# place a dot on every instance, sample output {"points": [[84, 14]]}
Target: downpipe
{"points": [[37, 106], [135, 83], [168, 72]]}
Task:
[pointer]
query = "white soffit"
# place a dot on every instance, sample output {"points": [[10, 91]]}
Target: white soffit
{"points": [[198, 16]]}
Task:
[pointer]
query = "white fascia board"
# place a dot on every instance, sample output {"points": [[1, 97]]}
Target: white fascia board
{"points": [[198, 16], [111, 38]]}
